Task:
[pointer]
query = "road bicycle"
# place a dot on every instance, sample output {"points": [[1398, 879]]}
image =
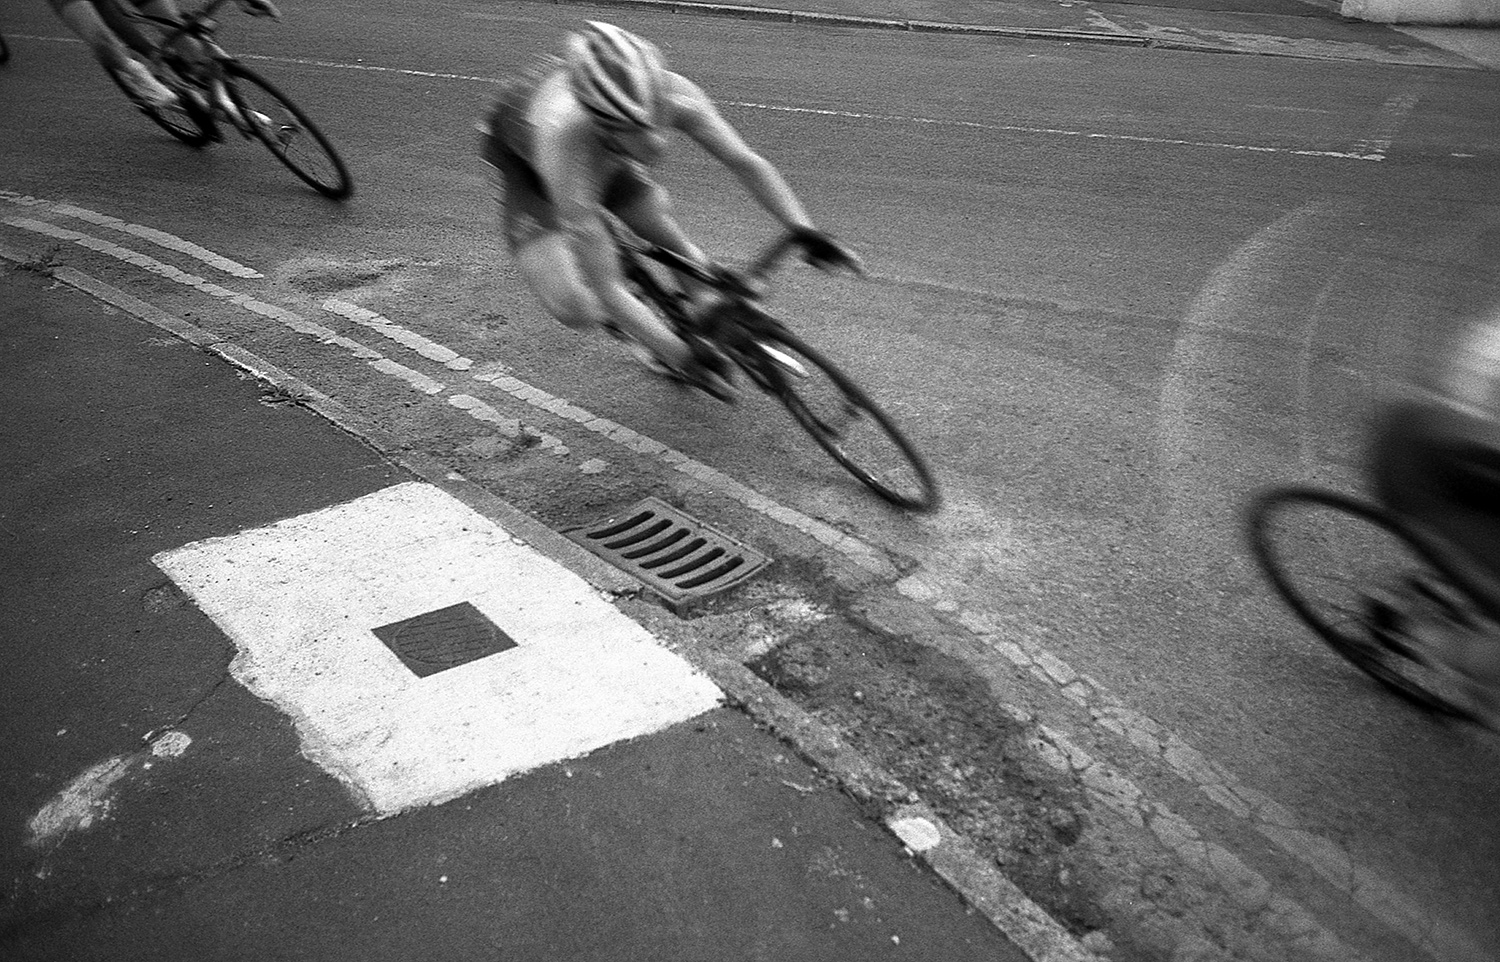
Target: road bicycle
{"points": [[827, 403], [215, 89], [1355, 573]]}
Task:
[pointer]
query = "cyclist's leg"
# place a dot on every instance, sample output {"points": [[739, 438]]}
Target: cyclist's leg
{"points": [[646, 208], [137, 36], [544, 253], [92, 22]]}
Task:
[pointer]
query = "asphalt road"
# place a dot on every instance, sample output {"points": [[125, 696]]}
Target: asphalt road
{"points": [[1113, 292]]}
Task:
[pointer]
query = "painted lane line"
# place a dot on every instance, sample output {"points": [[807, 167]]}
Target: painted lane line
{"points": [[508, 426], [432, 351], [885, 118], [417, 380], [159, 237], [1062, 132], [301, 599]]}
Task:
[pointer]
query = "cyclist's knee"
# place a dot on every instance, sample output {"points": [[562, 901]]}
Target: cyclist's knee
{"points": [[551, 272]]}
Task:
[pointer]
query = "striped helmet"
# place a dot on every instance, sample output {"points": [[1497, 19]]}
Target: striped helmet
{"points": [[615, 74]]}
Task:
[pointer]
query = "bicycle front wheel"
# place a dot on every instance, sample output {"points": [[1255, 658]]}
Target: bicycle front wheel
{"points": [[844, 420], [1349, 570], [271, 118]]}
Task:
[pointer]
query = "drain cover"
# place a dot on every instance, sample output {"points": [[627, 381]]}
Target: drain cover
{"points": [[443, 639], [678, 557]]}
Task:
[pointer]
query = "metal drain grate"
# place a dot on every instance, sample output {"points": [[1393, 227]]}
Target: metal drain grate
{"points": [[678, 557]]}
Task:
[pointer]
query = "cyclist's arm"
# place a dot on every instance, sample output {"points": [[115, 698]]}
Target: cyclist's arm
{"points": [[695, 115]]}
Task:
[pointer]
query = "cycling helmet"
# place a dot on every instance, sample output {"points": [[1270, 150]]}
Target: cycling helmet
{"points": [[615, 74]]}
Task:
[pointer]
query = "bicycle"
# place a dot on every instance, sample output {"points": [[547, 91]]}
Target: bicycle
{"points": [[827, 403], [1354, 572], [4, 49], [256, 109]]}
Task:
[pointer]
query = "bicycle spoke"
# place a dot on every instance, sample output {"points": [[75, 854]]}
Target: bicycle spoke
{"points": [[266, 115], [848, 424]]}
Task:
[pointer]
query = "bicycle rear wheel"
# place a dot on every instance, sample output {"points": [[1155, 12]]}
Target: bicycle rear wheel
{"points": [[291, 137], [844, 420], [185, 122], [1344, 566]]}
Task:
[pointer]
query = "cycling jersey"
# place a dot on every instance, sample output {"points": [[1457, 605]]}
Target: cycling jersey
{"points": [[510, 148]]}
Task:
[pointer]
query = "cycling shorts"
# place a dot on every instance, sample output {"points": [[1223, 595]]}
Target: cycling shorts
{"points": [[526, 207]]}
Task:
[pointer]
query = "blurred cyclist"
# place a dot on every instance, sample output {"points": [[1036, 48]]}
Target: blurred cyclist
{"points": [[116, 37], [1437, 461], [575, 136]]}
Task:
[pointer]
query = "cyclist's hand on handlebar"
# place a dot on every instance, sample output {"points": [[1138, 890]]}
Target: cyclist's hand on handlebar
{"points": [[822, 251], [260, 8]]}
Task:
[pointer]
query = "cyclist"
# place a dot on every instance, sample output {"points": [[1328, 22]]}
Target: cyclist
{"points": [[575, 135], [117, 39], [1436, 460]]}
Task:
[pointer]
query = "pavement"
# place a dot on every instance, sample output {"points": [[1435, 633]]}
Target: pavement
{"points": [[187, 777]]}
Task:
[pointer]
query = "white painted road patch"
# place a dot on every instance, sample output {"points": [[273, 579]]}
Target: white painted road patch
{"points": [[300, 600]]}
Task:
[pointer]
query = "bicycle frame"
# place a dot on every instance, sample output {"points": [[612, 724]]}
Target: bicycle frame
{"points": [[738, 323], [198, 24]]}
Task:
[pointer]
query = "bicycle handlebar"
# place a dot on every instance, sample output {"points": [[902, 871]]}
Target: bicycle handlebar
{"points": [[730, 280]]}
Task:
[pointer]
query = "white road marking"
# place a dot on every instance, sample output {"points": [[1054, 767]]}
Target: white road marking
{"points": [[859, 115], [1065, 132], [296, 322], [382, 325], [300, 600], [159, 237]]}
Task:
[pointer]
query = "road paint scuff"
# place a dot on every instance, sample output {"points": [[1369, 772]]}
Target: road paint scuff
{"points": [[89, 798]]}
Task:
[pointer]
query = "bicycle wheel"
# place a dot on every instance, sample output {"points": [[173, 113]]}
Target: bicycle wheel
{"points": [[1344, 566], [185, 122], [287, 132], [854, 430]]}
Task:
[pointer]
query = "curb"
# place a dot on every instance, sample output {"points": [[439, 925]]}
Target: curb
{"points": [[884, 797]]}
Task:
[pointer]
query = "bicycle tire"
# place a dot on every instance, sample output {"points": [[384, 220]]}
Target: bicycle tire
{"points": [[294, 140], [828, 405], [181, 122], [1347, 563]]}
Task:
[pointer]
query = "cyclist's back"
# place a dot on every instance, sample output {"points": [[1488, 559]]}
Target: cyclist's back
{"points": [[1436, 459]]}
